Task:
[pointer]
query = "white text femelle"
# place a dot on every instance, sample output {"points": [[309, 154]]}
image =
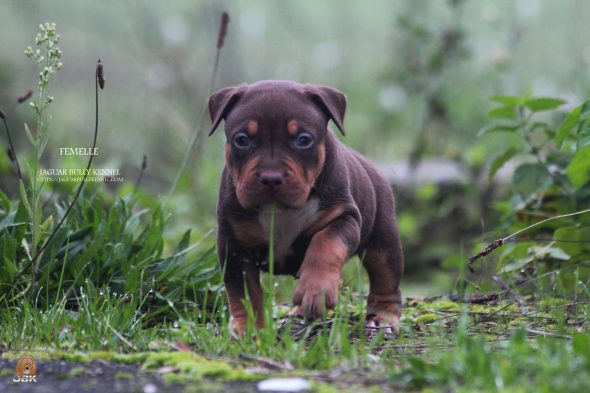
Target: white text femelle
{"points": [[78, 151]]}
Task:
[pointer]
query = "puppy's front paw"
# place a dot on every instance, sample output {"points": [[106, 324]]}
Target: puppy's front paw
{"points": [[237, 327], [387, 322], [383, 313], [315, 294]]}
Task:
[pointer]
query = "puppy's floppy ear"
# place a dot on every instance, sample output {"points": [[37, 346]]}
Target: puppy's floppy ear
{"points": [[331, 101], [220, 104]]}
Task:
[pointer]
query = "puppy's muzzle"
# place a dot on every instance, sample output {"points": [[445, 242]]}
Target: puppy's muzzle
{"points": [[270, 179]]}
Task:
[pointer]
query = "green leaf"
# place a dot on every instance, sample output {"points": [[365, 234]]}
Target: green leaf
{"points": [[549, 133], [571, 239], [8, 219], [535, 253], [42, 143], [29, 135], [531, 178], [543, 103], [558, 253], [583, 134], [25, 245], [514, 252], [509, 100], [581, 345], [585, 111], [498, 128], [28, 171], [503, 112], [5, 200], [23, 197], [515, 264], [578, 170], [583, 130], [500, 161], [571, 120], [453, 261]]}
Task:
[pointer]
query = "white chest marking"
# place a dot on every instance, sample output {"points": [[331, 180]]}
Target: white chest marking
{"points": [[288, 224]]}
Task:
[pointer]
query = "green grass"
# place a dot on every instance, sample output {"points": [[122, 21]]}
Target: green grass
{"points": [[526, 345]]}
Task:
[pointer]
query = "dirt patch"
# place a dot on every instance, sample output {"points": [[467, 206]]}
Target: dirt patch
{"points": [[102, 376], [95, 376]]}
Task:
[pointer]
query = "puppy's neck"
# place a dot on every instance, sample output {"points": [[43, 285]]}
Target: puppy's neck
{"points": [[288, 224]]}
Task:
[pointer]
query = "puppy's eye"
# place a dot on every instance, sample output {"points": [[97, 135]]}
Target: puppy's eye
{"points": [[304, 141], [242, 141]]}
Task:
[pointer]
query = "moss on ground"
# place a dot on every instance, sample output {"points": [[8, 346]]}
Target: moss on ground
{"points": [[192, 367], [186, 366], [426, 318]]}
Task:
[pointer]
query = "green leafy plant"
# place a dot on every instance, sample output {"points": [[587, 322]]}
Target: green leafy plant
{"points": [[48, 63], [548, 211], [48, 60], [85, 244]]}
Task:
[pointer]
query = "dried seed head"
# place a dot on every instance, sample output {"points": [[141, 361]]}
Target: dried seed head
{"points": [[222, 29], [100, 74], [10, 155], [144, 163], [2, 115], [25, 96]]}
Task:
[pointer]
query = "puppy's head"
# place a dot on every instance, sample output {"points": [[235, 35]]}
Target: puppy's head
{"points": [[276, 133]]}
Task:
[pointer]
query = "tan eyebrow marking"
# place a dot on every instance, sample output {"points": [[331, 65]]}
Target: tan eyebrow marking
{"points": [[252, 127], [293, 127]]}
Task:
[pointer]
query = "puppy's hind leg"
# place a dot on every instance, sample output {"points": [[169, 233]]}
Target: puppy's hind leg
{"points": [[384, 303]]}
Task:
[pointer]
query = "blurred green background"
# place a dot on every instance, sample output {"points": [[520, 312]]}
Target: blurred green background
{"points": [[418, 75]]}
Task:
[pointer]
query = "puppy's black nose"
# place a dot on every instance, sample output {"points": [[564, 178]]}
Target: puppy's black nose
{"points": [[271, 178]]}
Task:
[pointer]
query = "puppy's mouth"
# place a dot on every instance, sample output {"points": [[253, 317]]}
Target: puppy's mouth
{"points": [[253, 197]]}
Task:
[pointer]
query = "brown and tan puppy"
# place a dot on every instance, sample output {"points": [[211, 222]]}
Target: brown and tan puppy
{"points": [[329, 203]]}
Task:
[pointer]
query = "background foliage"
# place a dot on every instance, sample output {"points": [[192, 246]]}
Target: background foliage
{"points": [[418, 75]]}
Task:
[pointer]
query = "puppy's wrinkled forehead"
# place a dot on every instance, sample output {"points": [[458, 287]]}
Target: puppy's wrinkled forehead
{"points": [[273, 103], [275, 110]]}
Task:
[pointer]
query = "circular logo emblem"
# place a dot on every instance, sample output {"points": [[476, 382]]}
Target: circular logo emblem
{"points": [[26, 366]]}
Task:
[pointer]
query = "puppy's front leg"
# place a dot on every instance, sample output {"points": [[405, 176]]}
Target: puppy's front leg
{"points": [[242, 282], [319, 275]]}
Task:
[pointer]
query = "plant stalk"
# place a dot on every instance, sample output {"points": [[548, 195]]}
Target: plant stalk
{"points": [[199, 129], [78, 191]]}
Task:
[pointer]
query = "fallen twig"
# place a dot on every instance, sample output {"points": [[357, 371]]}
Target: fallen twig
{"points": [[498, 242], [546, 333], [484, 299]]}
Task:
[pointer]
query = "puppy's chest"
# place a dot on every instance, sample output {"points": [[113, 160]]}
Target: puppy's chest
{"points": [[288, 225]]}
